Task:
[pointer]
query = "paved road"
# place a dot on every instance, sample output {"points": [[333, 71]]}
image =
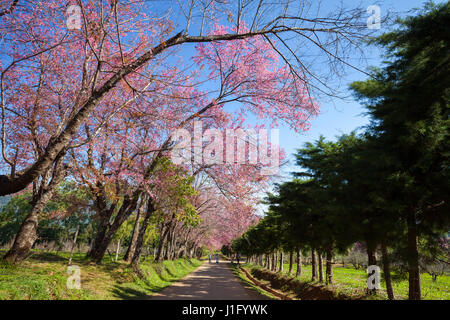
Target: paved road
{"points": [[210, 281]]}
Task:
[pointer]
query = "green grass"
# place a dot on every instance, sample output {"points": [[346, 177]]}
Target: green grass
{"points": [[352, 282], [43, 277], [249, 283]]}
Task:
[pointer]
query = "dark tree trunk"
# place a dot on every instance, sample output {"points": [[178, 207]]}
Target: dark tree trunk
{"points": [[329, 266], [190, 250], [413, 258], [298, 273], [274, 261], [99, 251], [27, 234], [108, 230], [319, 257], [291, 261], [280, 267], [167, 247], [371, 254], [132, 247], [140, 239], [161, 244], [313, 266], [387, 271], [172, 245], [100, 235]]}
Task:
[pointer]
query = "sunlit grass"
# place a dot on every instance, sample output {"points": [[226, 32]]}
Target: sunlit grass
{"points": [[353, 282], [43, 276], [249, 283]]}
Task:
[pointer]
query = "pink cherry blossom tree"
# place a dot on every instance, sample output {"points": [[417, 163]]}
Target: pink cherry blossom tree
{"points": [[105, 97], [118, 39]]}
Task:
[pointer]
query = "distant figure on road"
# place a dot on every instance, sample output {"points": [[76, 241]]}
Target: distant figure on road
{"points": [[238, 257], [209, 258], [217, 258]]}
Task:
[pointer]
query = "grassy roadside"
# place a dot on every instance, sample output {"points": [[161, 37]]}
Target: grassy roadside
{"points": [[349, 284], [43, 276], [249, 283]]}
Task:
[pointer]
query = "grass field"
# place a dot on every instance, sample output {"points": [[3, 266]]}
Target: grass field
{"points": [[352, 282], [43, 276]]}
